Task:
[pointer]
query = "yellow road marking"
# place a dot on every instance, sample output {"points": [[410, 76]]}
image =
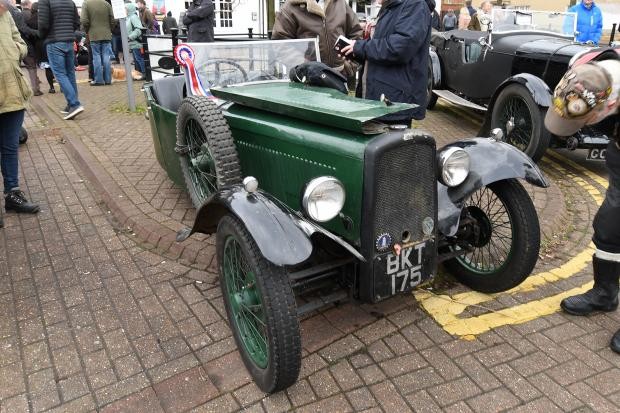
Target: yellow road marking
{"points": [[445, 309]]}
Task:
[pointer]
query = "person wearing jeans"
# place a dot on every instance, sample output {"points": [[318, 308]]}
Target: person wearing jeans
{"points": [[57, 27], [14, 96], [102, 65], [98, 21], [134, 35], [62, 61]]}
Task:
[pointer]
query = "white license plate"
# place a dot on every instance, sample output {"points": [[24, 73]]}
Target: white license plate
{"points": [[596, 154]]}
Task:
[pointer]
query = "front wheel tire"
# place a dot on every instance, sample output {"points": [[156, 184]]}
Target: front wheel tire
{"points": [[504, 235], [261, 308], [521, 119]]}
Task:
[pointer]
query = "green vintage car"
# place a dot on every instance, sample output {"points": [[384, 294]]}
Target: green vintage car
{"points": [[314, 200]]}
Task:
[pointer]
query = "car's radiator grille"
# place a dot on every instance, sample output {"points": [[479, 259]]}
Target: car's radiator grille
{"points": [[404, 190]]}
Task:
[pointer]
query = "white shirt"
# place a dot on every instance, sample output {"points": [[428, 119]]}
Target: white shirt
{"points": [[321, 4]]}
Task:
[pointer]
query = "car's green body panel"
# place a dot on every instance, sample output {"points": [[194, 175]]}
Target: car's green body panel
{"points": [[315, 104], [286, 134], [284, 154], [164, 132]]}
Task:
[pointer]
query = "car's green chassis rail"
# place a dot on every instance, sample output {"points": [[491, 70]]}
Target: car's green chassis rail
{"points": [[315, 104]]}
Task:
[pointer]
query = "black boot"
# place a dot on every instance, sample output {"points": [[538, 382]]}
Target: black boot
{"points": [[603, 296], [615, 342], [16, 201]]}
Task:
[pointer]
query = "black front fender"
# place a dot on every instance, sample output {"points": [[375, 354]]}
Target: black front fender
{"points": [[283, 237], [536, 86], [490, 161]]}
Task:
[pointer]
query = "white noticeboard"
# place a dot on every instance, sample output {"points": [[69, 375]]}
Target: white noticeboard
{"points": [[118, 8]]}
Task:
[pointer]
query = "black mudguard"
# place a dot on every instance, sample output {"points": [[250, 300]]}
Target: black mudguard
{"points": [[490, 161], [283, 237], [536, 86]]}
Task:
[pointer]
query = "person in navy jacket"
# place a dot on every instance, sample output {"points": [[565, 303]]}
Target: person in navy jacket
{"points": [[589, 21], [396, 57]]}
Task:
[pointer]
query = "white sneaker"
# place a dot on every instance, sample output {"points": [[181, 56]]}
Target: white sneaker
{"points": [[73, 112]]}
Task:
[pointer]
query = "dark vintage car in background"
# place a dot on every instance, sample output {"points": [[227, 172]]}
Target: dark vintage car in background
{"points": [[510, 73], [312, 200]]}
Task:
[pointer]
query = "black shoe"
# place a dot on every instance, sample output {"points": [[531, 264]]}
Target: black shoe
{"points": [[37, 93], [52, 90], [603, 296], [73, 111], [16, 201], [615, 342], [65, 110], [93, 83]]}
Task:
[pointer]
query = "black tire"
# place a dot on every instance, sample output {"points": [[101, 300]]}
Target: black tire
{"points": [[521, 253], [205, 169], [277, 308], [431, 98], [23, 136], [515, 105]]}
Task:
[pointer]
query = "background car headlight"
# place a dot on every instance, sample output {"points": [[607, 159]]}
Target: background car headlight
{"points": [[454, 166], [323, 198]]}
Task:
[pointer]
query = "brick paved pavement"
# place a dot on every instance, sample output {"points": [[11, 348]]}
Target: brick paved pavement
{"points": [[93, 318]]}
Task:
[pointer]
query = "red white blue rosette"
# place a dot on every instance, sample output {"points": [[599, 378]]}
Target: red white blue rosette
{"points": [[184, 55]]}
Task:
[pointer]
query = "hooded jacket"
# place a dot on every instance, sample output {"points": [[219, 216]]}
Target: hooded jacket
{"points": [[589, 22], [303, 19], [199, 21], [14, 90], [134, 26], [397, 55]]}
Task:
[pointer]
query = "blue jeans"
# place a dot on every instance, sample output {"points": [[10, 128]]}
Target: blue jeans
{"points": [[117, 46], [61, 59], [9, 145], [138, 60], [102, 68]]}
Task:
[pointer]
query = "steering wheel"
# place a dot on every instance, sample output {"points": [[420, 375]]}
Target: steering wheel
{"points": [[231, 63]]}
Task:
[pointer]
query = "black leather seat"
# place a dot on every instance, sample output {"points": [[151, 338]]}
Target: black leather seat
{"points": [[169, 92]]}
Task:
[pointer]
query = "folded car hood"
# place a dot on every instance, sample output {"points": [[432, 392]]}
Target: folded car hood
{"points": [[550, 45], [314, 104]]}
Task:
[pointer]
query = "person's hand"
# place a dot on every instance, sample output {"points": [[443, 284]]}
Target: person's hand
{"points": [[348, 50]]}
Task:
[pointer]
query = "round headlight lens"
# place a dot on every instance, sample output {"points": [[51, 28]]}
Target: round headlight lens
{"points": [[454, 166], [323, 198]]}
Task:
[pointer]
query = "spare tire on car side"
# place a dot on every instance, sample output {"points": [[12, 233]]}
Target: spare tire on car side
{"points": [[206, 149]]}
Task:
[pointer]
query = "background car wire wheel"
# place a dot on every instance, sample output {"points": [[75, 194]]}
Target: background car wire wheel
{"points": [[23, 136], [521, 120], [261, 308], [505, 238], [207, 151]]}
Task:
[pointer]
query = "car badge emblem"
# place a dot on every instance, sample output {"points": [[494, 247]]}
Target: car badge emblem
{"points": [[384, 242]]}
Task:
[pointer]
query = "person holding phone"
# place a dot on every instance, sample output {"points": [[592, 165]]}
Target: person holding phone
{"points": [[396, 57], [327, 20]]}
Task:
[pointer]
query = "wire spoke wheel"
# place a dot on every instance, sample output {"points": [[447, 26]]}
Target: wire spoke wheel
{"points": [[207, 153], [247, 308], [521, 119], [493, 240], [500, 226], [261, 308]]}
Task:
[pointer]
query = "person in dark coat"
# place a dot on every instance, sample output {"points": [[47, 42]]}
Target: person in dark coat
{"points": [[30, 36], [40, 54], [169, 23], [199, 21], [396, 57], [58, 22]]}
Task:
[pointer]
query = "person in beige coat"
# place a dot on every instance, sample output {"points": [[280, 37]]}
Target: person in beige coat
{"points": [[327, 19], [14, 95]]}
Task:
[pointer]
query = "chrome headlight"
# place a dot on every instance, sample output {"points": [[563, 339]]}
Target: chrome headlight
{"points": [[453, 166], [323, 198]]}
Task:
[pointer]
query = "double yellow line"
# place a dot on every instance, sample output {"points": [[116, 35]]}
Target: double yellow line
{"points": [[446, 309]]}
